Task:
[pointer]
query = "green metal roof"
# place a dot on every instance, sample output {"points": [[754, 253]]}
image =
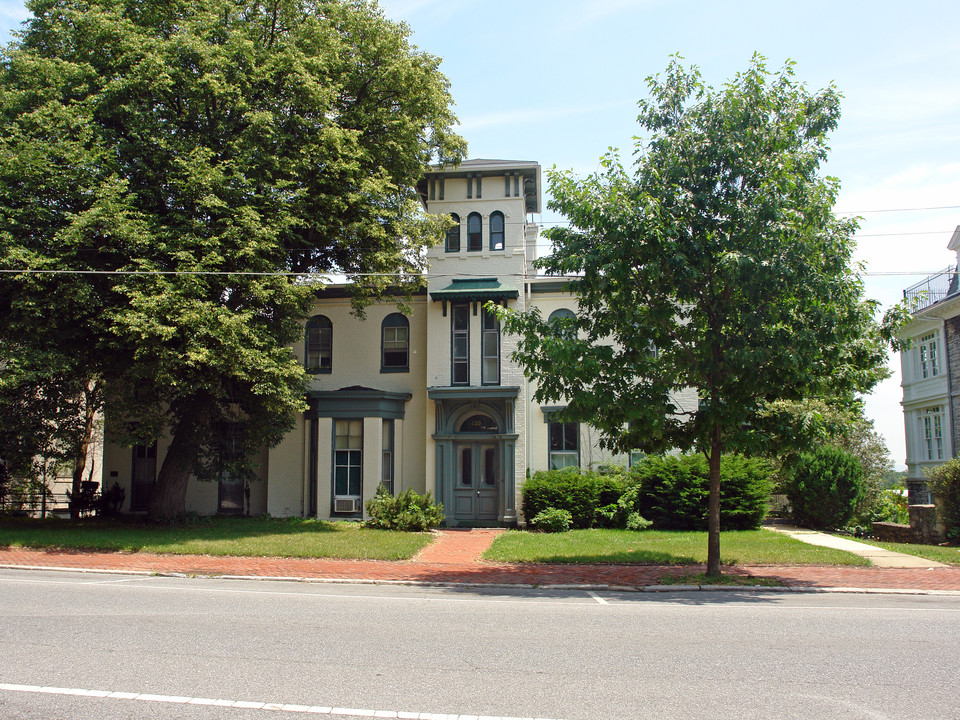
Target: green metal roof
{"points": [[475, 289]]}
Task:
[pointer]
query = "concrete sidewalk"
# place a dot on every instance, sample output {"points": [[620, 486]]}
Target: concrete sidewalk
{"points": [[453, 559], [878, 556]]}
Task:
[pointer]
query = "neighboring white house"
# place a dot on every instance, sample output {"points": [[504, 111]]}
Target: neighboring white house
{"points": [[430, 400], [931, 375]]}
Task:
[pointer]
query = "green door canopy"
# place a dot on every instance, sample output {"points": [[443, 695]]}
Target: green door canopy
{"points": [[475, 289]]}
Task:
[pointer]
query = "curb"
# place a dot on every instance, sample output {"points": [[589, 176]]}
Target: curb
{"points": [[652, 589]]}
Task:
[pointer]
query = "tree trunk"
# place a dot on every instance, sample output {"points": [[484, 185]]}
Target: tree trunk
{"points": [[91, 406], [169, 498], [713, 511]]}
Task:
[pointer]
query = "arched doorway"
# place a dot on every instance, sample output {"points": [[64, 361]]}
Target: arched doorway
{"points": [[476, 461], [478, 474]]}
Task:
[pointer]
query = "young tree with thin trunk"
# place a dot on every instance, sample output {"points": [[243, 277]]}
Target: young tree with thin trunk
{"points": [[716, 264]]}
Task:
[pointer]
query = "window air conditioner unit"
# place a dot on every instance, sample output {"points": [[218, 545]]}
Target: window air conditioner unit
{"points": [[346, 505]]}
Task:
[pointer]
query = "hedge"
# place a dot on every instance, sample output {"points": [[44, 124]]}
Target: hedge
{"points": [[674, 491], [671, 491], [568, 489]]}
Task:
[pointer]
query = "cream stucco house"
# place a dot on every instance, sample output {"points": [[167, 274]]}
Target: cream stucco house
{"points": [[429, 400]]}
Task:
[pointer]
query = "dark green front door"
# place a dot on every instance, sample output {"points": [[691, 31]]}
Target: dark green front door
{"points": [[476, 488]]}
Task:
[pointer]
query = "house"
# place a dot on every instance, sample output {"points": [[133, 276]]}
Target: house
{"points": [[931, 375], [428, 400]]}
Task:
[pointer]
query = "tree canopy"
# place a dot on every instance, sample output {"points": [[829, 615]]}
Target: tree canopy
{"points": [[714, 263], [182, 156]]}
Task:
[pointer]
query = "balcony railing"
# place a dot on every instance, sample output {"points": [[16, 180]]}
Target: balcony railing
{"points": [[932, 289]]}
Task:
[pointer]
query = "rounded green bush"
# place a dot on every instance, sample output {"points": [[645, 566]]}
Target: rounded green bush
{"points": [[552, 520], [824, 487]]}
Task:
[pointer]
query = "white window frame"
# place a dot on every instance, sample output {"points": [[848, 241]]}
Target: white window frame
{"points": [[928, 355], [348, 456], [931, 433], [563, 456]]}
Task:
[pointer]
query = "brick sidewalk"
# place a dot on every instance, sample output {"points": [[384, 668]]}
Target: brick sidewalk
{"points": [[454, 558]]}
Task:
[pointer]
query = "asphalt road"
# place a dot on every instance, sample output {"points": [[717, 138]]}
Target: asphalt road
{"points": [[401, 651]]}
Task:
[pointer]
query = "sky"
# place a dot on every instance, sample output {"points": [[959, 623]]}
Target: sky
{"points": [[557, 81]]}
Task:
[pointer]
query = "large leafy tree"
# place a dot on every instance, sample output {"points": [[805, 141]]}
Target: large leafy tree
{"points": [[715, 264], [183, 156]]}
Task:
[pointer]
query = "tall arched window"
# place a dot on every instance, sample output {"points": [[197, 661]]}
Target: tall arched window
{"points": [[453, 234], [474, 232], [395, 344], [496, 230], [565, 322], [318, 346]]}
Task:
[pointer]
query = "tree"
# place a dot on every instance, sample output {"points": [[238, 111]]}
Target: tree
{"points": [[190, 157], [813, 422], [717, 264]]}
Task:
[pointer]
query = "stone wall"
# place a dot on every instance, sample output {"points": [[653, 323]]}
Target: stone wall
{"points": [[923, 522], [893, 532]]}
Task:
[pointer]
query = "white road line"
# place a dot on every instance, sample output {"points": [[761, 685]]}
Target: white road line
{"points": [[245, 704], [596, 597]]}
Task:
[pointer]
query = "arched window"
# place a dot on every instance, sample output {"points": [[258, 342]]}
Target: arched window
{"points": [[564, 321], [496, 230], [474, 232], [453, 234], [561, 313], [395, 345], [318, 347]]}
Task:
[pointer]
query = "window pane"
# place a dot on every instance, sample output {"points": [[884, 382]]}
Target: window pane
{"points": [[560, 460], [461, 317], [490, 466], [453, 235], [556, 436], [490, 344], [460, 374], [474, 233], [490, 370], [466, 466]]}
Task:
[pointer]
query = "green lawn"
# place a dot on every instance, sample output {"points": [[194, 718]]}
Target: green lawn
{"points": [[660, 547], [258, 536], [939, 553]]}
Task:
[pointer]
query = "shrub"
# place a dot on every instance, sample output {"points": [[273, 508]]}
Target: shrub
{"points": [[944, 482], [568, 489], [637, 523], [406, 511], [824, 487], [890, 505], [623, 513], [674, 491], [552, 520]]}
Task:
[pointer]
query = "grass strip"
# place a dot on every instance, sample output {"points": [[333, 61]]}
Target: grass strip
{"points": [[948, 554], [702, 579], [256, 536], [662, 547]]}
